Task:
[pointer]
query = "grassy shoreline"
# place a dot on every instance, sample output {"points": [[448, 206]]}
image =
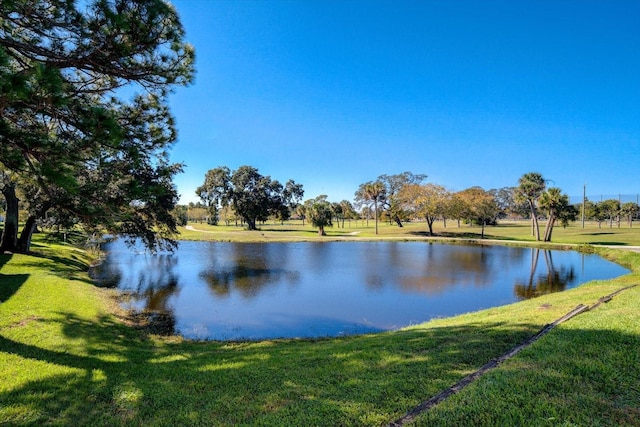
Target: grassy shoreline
{"points": [[66, 357], [506, 233]]}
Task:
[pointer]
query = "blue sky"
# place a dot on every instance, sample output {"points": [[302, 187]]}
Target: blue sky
{"points": [[335, 93]]}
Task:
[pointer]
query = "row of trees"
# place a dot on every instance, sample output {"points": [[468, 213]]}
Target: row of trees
{"points": [[406, 195], [610, 210], [84, 118], [399, 198]]}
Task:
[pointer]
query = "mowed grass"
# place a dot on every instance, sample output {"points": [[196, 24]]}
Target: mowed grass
{"points": [[505, 231], [67, 358]]}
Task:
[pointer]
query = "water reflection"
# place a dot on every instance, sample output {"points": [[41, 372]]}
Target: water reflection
{"points": [[247, 269], [433, 269], [254, 291], [150, 283], [551, 280]]}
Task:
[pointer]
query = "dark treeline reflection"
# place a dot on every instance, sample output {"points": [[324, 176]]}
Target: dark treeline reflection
{"points": [[552, 279], [149, 282], [434, 268], [216, 290], [248, 269]]}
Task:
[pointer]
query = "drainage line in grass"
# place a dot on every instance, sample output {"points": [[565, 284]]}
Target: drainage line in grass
{"points": [[444, 394]]}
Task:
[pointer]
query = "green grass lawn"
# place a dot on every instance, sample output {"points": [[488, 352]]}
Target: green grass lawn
{"points": [[67, 358], [506, 231]]}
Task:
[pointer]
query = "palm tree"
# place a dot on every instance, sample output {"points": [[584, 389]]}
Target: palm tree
{"points": [[554, 202], [374, 191], [301, 210], [630, 210], [530, 187], [347, 211]]}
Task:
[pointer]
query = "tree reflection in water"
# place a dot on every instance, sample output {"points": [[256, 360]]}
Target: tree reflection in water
{"points": [[553, 280], [248, 271], [149, 287], [249, 281], [434, 269], [254, 291]]}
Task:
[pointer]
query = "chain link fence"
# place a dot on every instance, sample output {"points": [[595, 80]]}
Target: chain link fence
{"points": [[622, 198]]}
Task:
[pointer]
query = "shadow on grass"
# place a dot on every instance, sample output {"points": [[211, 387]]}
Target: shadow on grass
{"points": [[331, 231], [460, 235], [4, 258], [9, 283], [587, 377], [105, 373], [71, 267], [608, 243], [118, 376]]}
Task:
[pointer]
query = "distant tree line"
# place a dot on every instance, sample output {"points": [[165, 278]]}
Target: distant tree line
{"points": [[247, 196], [610, 211]]}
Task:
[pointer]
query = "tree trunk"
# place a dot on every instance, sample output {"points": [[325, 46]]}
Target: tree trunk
{"points": [[482, 230], [548, 229], [535, 255], [24, 243], [321, 231], [430, 225], [376, 215], [251, 223], [397, 219], [9, 239], [534, 220]]}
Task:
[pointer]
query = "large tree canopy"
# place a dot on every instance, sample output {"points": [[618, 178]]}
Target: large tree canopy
{"points": [[428, 201], [481, 206], [253, 196], [393, 185], [84, 122]]}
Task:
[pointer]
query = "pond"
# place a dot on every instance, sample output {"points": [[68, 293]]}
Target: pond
{"points": [[233, 291]]}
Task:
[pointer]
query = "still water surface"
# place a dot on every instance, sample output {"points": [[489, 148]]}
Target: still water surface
{"points": [[230, 291]]}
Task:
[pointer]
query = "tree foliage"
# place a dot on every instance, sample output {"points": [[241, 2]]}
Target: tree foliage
{"points": [[556, 206], [428, 201], [372, 192], [214, 191], [530, 186], [630, 210], [481, 206], [391, 201], [609, 209], [347, 211], [254, 197], [320, 213], [84, 122]]}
